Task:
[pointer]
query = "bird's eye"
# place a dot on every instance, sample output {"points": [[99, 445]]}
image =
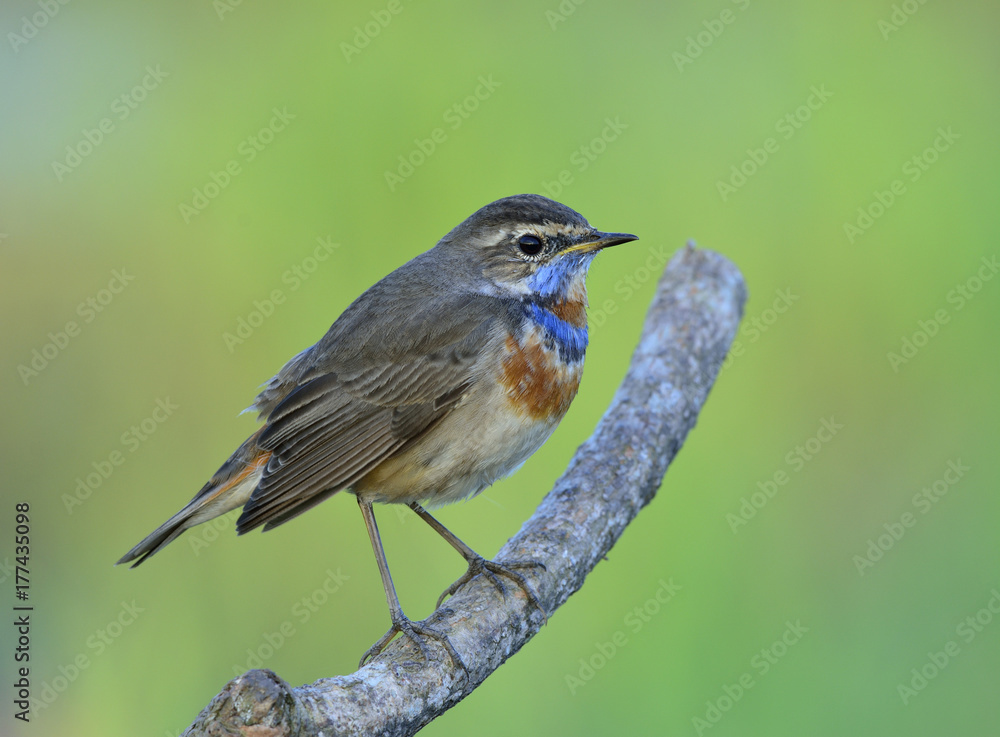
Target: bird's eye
{"points": [[530, 245]]}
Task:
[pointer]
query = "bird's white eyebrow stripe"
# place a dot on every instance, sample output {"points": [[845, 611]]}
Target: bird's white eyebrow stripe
{"points": [[552, 230]]}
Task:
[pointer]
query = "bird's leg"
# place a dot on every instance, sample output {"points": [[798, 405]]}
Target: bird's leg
{"points": [[478, 564], [415, 631]]}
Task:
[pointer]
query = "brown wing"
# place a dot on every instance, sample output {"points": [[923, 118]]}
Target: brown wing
{"points": [[375, 382]]}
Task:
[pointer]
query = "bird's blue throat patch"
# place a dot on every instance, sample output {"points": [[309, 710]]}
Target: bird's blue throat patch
{"points": [[569, 339], [549, 284], [553, 279]]}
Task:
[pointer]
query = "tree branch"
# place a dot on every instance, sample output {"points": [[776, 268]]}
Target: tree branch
{"points": [[615, 473]]}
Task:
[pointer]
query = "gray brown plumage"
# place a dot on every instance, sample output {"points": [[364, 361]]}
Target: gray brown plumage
{"points": [[438, 380]]}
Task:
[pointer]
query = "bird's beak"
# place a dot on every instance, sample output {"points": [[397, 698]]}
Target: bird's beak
{"points": [[599, 240]]}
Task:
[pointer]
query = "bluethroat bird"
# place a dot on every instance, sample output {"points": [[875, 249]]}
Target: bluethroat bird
{"points": [[437, 381]]}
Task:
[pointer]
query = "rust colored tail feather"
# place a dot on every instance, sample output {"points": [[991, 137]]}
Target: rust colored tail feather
{"points": [[228, 489]]}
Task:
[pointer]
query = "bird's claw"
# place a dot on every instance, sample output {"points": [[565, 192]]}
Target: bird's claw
{"points": [[416, 632], [492, 570]]}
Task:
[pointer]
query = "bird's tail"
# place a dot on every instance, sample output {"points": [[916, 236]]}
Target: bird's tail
{"points": [[228, 489]]}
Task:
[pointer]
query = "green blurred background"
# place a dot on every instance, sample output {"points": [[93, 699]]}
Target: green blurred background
{"points": [[676, 96]]}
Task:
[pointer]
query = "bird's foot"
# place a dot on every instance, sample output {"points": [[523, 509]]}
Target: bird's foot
{"points": [[416, 632], [492, 570]]}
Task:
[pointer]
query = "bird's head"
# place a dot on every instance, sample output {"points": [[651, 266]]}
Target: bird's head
{"points": [[531, 247]]}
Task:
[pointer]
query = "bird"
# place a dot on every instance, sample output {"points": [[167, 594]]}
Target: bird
{"points": [[440, 379]]}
